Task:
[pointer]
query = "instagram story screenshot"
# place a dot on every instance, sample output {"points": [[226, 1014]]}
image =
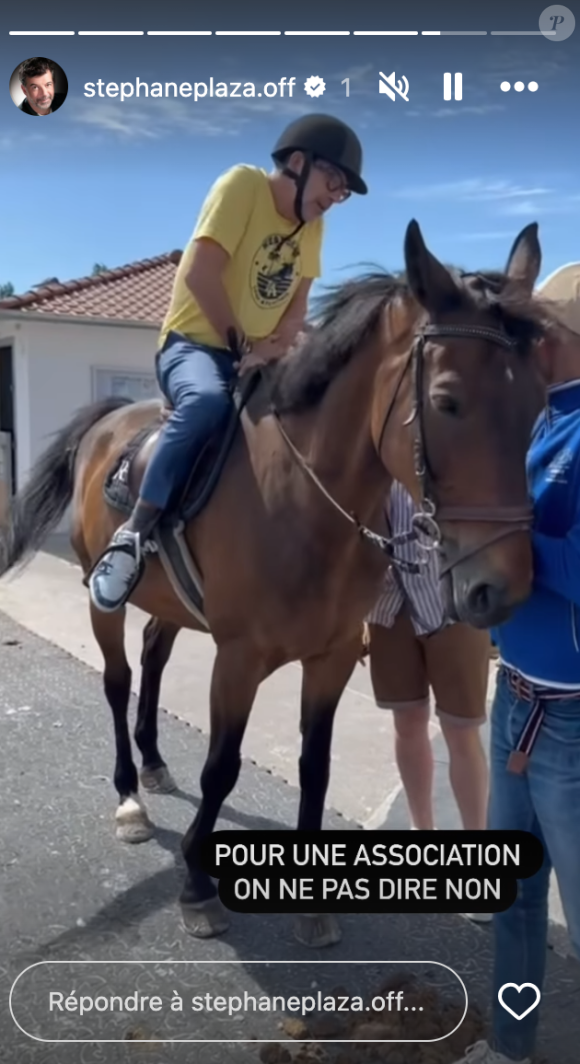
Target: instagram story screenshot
{"points": [[290, 533]]}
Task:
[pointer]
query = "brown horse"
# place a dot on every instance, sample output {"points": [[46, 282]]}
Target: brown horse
{"points": [[429, 380]]}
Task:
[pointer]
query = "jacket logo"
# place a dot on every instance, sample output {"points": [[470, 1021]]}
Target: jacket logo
{"points": [[559, 466]]}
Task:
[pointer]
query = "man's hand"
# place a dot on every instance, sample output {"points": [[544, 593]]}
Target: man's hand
{"points": [[298, 341], [248, 363], [263, 351]]}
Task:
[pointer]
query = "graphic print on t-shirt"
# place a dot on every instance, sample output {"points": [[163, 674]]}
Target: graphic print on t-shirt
{"points": [[274, 268]]}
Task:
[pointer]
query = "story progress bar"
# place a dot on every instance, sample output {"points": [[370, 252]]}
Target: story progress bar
{"points": [[279, 33]]}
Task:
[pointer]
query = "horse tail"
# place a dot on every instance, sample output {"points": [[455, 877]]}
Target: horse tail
{"points": [[37, 510]]}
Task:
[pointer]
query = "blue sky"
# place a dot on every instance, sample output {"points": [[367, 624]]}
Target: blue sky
{"points": [[111, 182]]}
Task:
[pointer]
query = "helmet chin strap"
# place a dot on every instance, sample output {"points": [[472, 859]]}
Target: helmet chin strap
{"points": [[300, 182]]}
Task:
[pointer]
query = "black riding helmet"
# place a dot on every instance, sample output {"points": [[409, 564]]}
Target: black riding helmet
{"points": [[321, 137]]}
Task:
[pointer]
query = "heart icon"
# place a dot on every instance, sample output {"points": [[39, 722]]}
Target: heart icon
{"points": [[514, 986]]}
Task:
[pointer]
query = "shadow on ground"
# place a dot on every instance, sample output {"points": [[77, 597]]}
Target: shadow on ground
{"points": [[70, 892]]}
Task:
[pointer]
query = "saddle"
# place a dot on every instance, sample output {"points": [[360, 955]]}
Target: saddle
{"points": [[167, 540]]}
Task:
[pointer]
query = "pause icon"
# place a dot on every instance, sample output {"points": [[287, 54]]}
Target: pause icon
{"points": [[458, 95]]}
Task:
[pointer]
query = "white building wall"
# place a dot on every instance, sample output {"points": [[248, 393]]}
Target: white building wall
{"points": [[70, 365], [13, 334], [61, 365]]}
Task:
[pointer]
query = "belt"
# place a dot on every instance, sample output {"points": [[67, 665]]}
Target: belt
{"points": [[210, 348], [537, 696]]}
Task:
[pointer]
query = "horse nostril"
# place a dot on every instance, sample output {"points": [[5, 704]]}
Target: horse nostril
{"points": [[479, 598], [483, 601], [487, 604]]}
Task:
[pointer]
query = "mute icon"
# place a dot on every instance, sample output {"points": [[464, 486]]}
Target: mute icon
{"points": [[458, 95], [390, 85]]}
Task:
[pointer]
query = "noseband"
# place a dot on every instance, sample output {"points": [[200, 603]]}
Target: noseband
{"points": [[426, 521]]}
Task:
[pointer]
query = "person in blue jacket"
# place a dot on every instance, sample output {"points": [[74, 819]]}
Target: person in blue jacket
{"points": [[535, 741]]}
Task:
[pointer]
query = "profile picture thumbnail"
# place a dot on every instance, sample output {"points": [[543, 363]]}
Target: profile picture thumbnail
{"points": [[38, 86]]}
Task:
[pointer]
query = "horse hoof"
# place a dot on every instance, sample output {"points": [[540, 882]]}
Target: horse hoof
{"points": [[133, 823], [317, 931], [205, 919], [157, 780]]}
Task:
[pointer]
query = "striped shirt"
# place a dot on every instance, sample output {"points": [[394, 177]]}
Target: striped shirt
{"points": [[421, 591]]}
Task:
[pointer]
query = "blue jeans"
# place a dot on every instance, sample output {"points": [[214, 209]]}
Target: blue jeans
{"points": [[545, 801], [195, 379]]}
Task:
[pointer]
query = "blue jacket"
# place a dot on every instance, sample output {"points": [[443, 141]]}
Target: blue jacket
{"points": [[542, 639]]}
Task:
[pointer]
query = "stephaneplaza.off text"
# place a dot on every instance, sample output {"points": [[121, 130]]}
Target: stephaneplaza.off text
{"points": [[125, 90]]}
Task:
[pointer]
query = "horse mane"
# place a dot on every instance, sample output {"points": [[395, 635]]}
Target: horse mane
{"points": [[345, 316]]}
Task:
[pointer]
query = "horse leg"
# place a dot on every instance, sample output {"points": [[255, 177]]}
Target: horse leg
{"points": [[236, 675], [158, 640], [324, 680], [133, 823]]}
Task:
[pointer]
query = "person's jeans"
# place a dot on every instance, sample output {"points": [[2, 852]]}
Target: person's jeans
{"points": [[545, 800], [196, 381]]}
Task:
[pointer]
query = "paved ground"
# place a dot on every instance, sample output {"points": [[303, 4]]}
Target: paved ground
{"points": [[365, 784], [69, 891]]}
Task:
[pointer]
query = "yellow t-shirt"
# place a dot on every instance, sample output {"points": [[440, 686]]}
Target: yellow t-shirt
{"points": [[240, 215]]}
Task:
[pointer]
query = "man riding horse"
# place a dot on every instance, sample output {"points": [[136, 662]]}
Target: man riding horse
{"points": [[248, 268]]}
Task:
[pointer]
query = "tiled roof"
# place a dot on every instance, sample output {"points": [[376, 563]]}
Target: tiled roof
{"points": [[137, 292]]}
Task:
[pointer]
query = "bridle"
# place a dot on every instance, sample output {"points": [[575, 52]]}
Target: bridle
{"points": [[426, 521], [511, 518]]}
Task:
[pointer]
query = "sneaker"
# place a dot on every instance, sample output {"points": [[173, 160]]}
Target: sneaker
{"points": [[117, 571], [482, 1053], [479, 918]]}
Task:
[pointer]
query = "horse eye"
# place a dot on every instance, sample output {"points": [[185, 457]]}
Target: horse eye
{"points": [[446, 404]]}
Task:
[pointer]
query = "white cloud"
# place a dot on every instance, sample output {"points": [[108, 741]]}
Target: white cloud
{"points": [[11, 142], [523, 207], [508, 62], [561, 204], [507, 199], [459, 112], [154, 119], [474, 190], [490, 234], [355, 73]]}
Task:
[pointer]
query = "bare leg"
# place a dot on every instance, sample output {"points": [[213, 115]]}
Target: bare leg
{"points": [[324, 680], [158, 640], [133, 823], [414, 757], [468, 772], [237, 672]]}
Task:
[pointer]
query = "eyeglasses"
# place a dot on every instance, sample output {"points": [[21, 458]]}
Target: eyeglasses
{"points": [[335, 180]]}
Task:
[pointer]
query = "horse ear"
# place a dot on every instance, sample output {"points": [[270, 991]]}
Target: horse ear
{"points": [[525, 258], [430, 282]]}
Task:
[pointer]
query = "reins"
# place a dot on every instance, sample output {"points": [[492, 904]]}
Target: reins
{"points": [[426, 520]]}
